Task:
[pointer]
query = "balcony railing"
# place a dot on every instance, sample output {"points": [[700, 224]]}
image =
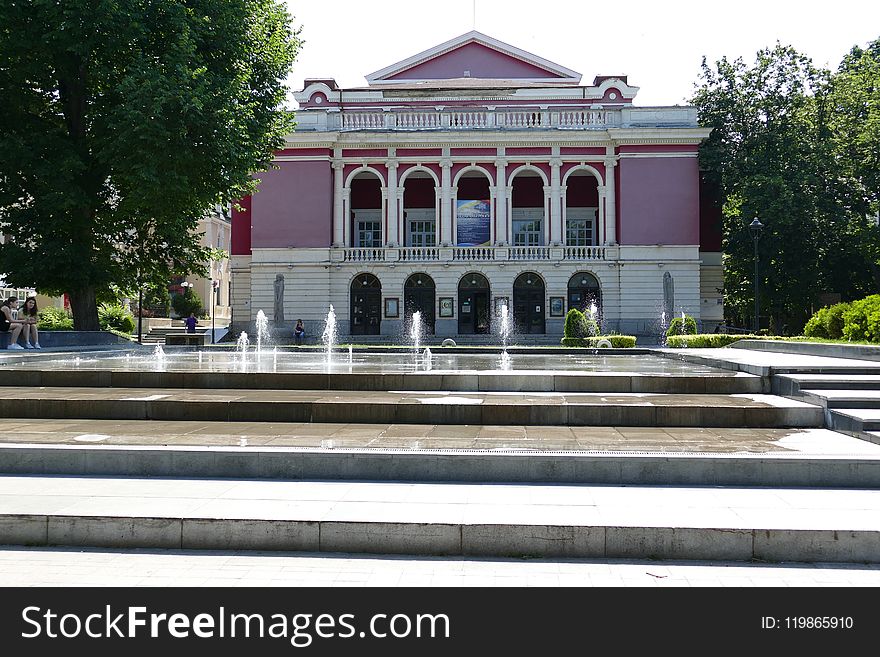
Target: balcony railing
{"points": [[419, 253], [503, 119], [475, 254]]}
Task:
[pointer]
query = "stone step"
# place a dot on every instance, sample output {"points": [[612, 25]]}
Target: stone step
{"points": [[553, 409], [859, 422], [815, 458], [516, 381], [830, 398], [639, 522], [792, 384]]}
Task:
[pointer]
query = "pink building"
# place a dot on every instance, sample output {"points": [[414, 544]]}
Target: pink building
{"points": [[472, 175]]}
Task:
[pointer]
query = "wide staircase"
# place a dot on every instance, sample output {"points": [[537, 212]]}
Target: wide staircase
{"points": [[158, 334], [673, 461]]}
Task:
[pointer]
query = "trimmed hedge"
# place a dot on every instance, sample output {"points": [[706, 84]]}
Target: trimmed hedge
{"points": [[617, 341], [708, 340], [675, 326]]}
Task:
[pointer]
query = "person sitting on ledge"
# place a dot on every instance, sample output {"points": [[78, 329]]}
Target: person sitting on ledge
{"points": [[31, 337], [10, 324]]}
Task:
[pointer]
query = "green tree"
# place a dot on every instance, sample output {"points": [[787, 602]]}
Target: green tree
{"points": [[772, 153], [123, 123], [854, 117]]}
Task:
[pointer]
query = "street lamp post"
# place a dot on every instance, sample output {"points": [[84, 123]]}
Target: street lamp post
{"points": [[756, 227], [215, 285]]}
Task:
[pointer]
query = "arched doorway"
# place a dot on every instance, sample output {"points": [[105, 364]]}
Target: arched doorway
{"points": [[473, 305], [529, 211], [528, 303], [583, 290], [366, 305], [581, 210], [418, 296]]}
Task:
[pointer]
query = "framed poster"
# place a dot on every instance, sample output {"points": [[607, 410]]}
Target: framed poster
{"points": [[472, 227], [446, 307], [392, 307], [557, 306]]}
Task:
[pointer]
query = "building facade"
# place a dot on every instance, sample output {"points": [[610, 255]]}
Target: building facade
{"points": [[475, 175]]}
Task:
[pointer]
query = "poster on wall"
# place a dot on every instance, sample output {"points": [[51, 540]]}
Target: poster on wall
{"points": [[473, 223]]}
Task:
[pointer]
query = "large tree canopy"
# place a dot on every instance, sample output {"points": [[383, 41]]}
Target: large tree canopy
{"points": [[123, 122], [784, 148]]}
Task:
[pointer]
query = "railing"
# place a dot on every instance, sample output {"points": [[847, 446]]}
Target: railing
{"points": [[419, 253], [460, 119], [365, 254], [530, 253], [473, 253], [584, 253]]}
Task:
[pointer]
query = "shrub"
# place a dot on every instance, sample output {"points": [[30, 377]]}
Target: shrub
{"points": [[186, 303], [676, 328], [827, 322], [54, 319], [861, 321], [578, 326], [617, 341], [117, 318]]}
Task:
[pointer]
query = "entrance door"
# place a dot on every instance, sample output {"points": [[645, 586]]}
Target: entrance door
{"points": [[583, 291], [366, 305], [418, 296], [474, 315], [528, 304]]}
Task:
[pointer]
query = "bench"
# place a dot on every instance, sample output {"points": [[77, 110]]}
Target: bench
{"points": [[186, 339]]}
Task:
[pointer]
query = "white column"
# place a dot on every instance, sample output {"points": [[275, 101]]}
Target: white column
{"points": [[501, 234], [600, 221], [610, 203], [446, 202], [563, 191], [509, 220], [338, 210], [555, 203], [384, 215], [438, 222], [392, 238], [548, 219], [348, 239]]}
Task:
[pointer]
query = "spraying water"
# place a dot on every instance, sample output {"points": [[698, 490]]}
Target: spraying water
{"points": [[328, 337], [428, 359], [350, 354], [663, 327], [158, 353], [593, 310], [242, 343], [262, 329], [415, 330], [504, 327], [683, 325]]}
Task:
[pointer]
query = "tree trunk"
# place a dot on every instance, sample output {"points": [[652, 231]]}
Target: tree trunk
{"points": [[85, 309]]}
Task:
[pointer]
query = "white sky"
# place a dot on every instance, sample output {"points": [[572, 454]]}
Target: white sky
{"points": [[658, 44]]}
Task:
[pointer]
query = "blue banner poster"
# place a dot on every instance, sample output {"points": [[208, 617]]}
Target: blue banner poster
{"points": [[473, 223]]}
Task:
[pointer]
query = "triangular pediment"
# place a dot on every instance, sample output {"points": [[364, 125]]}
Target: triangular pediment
{"points": [[474, 55]]}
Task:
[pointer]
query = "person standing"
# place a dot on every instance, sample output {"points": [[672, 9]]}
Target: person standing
{"points": [[299, 331], [191, 322], [10, 323]]}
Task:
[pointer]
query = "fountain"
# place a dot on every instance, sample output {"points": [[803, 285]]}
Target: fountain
{"points": [[159, 353], [350, 354], [683, 323], [242, 344], [415, 331], [262, 330], [593, 323], [663, 327], [328, 337], [427, 359], [505, 325]]}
